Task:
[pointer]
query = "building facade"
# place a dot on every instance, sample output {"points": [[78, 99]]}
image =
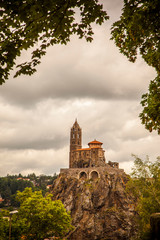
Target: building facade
{"points": [[93, 156], [86, 162]]}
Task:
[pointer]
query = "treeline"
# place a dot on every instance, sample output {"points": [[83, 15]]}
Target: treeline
{"points": [[10, 184]]}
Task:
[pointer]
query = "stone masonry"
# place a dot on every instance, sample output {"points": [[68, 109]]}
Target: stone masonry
{"points": [[86, 163]]}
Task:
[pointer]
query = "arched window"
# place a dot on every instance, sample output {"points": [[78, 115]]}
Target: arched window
{"points": [[83, 175], [94, 175]]}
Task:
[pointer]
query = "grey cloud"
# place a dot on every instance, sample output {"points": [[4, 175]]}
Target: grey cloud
{"points": [[86, 80], [113, 8], [112, 122], [91, 82], [29, 161], [81, 70], [55, 143]]}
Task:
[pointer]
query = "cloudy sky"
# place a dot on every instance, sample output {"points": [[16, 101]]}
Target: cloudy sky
{"points": [[92, 82]]}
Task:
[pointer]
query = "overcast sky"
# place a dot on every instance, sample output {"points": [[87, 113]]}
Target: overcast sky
{"points": [[92, 82]]}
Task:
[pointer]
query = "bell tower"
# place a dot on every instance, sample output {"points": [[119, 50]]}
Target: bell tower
{"points": [[75, 141]]}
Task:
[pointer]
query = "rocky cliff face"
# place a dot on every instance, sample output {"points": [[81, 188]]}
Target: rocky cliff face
{"points": [[100, 208]]}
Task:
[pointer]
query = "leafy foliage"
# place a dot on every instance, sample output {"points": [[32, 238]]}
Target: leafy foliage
{"points": [[150, 115], [145, 186], [23, 24], [38, 218], [137, 31], [16, 225], [4, 226], [10, 184], [43, 217]]}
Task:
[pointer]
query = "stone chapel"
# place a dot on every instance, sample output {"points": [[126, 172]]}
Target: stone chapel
{"points": [[86, 162], [93, 156]]}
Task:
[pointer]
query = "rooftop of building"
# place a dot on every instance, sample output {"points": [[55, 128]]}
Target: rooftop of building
{"points": [[83, 149], [95, 142]]}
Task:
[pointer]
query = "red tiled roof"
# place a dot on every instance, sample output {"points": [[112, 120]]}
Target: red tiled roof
{"points": [[95, 147], [86, 149], [83, 149], [95, 141]]}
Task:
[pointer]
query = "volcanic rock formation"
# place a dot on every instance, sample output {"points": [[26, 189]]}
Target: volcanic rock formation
{"points": [[100, 207]]}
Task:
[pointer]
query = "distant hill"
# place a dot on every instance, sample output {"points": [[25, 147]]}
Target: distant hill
{"points": [[10, 184]]}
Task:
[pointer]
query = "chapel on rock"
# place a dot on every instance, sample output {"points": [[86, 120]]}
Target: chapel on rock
{"points": [[86, 162], [93, 156]]}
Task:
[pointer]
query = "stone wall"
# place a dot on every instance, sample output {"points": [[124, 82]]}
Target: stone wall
{"points": [[102, 171]]}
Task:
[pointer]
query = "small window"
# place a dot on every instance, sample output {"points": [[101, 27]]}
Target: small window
{"points": [[82, 175], [94, 175]]}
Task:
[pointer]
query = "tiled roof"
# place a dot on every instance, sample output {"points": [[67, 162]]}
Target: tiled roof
{"points": [[95, 147], [83, 149], [86, 149], [95, 141]]}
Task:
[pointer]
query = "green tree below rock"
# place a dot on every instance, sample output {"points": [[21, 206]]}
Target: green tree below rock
{"points": [[38, 218], [145, 186]]}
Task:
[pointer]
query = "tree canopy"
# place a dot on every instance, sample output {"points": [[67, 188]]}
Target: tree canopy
{"points": [[39, 24], [145, 186], [150, 115], [26, 23], [137, 32], [38, 218], [10, 184], [43, 216]]}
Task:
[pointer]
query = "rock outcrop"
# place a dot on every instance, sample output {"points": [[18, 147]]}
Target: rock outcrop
{"points": [[100, 207]]}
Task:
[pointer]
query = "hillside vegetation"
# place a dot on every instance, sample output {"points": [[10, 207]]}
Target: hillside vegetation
{"points": [[10, 184]]}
